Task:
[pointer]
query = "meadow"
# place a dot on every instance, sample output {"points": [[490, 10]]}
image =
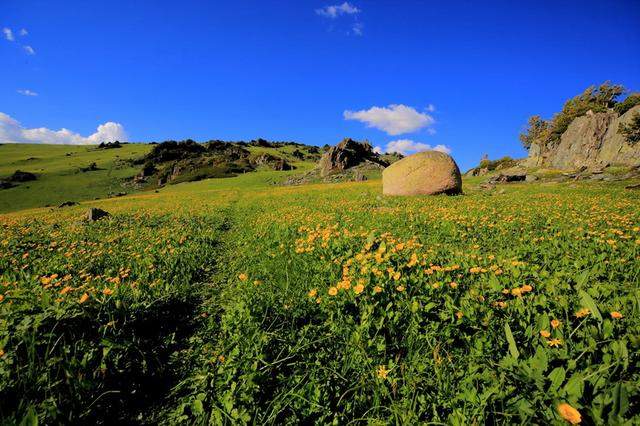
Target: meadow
{"points": [[236, 301]]}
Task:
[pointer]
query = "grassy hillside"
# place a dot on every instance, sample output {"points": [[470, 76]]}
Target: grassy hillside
{"points": [[58, 173], [234, 301]]}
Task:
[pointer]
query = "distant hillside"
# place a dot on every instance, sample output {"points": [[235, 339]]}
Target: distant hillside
{"points": [[65, 173], [78, 173], [173, 162], [593, 130]]}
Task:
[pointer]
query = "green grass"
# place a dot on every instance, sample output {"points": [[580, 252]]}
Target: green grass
{"points": [[239, 301], [59, 176]]}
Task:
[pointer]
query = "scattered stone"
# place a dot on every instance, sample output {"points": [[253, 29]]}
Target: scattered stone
{"points": [[531, 178], [423, 173], [359, 177], [20, 176], [90, 168], [67, 204], [634, 186], [505, 178], [272, 161], [5, 185], [94, 214], [487, 186]]}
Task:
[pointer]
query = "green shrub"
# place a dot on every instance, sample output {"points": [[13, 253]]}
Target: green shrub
{"points": [[631, 131], [631, 101]]}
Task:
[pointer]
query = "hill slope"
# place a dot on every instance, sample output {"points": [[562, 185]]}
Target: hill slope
{"points": [[59, 174], [81, 173]]}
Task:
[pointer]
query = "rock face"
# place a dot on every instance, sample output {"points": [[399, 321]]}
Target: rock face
{"points": [[592, 141], [424, 173], [347, 154]]}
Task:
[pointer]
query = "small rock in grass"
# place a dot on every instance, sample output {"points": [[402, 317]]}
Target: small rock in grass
{"points": [[94, 214], [67, 204]]}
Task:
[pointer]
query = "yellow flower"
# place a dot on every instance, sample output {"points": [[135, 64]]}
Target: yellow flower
{"points": [[312, 293], [526, 288], [65, 290], [459, 314], [107, 292], [358, 288], [1, 351], [333, 291], [554, 342], [1, 297], [516, 292], [382, 372], [221, 358], [569, 413], [377, 289], [616, 315], [453, 284], [83, 298], [582, 313], [545, 333], [243, 277], [555, 323], [400, 288]]}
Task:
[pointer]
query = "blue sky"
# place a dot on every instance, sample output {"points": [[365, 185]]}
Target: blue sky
{"points": [[462, 74]]}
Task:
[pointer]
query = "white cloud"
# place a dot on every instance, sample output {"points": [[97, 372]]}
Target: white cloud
{"points": [[407, 146], [340, 9], [11, 131], [24, 32], [431, 107], [27, 92], [8, 34], [394, 119], [357, 28], [29, 50]]}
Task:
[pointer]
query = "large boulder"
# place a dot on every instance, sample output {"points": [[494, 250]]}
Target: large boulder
{"points": [[424, 173]]}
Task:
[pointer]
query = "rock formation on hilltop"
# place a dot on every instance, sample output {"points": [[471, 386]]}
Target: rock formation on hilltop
{"points": [[347, 154], [593, 130], [592, 140]]}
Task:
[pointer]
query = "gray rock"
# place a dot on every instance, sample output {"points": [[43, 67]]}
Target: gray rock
{"points": [[348, 153], [592, 141], [94, 214]]}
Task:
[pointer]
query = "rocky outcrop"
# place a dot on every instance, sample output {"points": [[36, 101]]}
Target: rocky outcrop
{"points": [[348, 154], [424, 173], [271, 161], [592, 141]]}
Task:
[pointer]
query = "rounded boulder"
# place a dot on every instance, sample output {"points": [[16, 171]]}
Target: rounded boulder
{"points": [[423, 173]]}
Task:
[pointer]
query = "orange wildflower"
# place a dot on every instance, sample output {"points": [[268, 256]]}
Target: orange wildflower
{"points": [[569, 413], [555, 323], [83, 298], [616, 315], [545, 333]]}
